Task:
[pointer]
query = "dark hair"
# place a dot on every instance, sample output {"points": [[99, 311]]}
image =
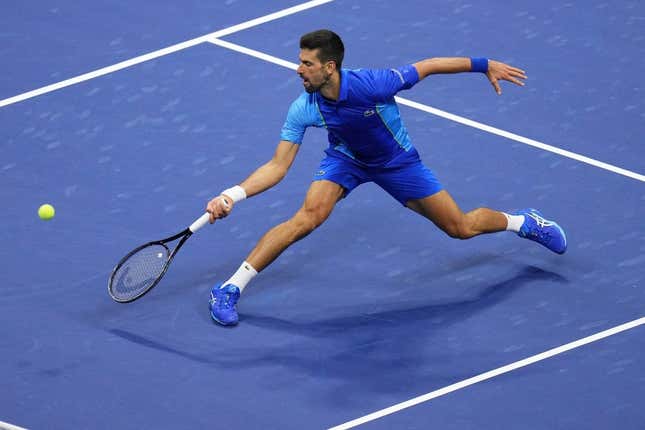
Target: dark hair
{"points": [[330, 46]]}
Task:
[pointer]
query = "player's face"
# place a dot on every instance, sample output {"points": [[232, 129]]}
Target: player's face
{"points": [[313, 73]]}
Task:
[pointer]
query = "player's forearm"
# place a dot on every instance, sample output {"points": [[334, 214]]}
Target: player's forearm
{"points": [[433, 66], [272, 172], [263, 178]]}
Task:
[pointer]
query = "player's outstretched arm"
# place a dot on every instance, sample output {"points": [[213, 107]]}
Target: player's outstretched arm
{"points": [[265, 177], [495, 70]]}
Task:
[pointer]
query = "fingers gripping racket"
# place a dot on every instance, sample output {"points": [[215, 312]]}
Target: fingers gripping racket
{"points": [[143, 267]]}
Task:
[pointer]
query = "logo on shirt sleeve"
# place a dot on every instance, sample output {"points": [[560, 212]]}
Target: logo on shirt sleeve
{"points": [[399, 74]]}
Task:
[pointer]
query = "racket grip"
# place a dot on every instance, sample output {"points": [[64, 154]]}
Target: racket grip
{"points": [[200, 222]]}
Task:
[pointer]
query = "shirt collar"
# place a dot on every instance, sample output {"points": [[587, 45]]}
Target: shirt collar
{"points": [[342, 92]]}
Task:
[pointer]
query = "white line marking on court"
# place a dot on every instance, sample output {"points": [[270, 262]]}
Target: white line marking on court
{"points": [[521, 139], [451, 117], [212, 37], [254, 53], [271, 17], [7, 426], [488, 375], [161, 52]]}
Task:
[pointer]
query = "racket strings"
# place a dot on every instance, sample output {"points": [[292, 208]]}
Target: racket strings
{"points": [[139, 271]]}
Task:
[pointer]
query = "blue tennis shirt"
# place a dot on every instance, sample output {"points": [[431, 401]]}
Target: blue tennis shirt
{"points": [[364, 123]]}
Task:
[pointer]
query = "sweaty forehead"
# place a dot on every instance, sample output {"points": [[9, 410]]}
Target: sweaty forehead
{"points": [[310, 55]]}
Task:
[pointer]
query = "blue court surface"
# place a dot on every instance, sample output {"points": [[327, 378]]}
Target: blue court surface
{"points": [[377, 306]]}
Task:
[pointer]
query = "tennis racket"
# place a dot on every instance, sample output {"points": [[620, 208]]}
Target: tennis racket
{"points": [[143, 267]]}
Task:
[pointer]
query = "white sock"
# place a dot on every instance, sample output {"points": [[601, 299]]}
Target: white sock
{"points": [[242, 277], [514, 222]]}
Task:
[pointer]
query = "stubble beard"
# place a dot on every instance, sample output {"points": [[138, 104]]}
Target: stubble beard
{"points": [[312, 89]]}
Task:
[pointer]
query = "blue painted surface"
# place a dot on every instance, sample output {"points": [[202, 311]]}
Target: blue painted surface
{"points": [[356, 317], [550, 394], [48, 41]]}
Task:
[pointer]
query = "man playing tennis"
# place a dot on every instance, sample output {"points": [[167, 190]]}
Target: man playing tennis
{"points": [[367, 143]]}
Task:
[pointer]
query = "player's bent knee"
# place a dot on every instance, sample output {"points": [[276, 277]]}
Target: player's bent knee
{"points": [[453, 231], [306, 221], [460, 230]]}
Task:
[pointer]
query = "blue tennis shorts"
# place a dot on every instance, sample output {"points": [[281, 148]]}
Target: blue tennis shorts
{"points": [[405, 180]]}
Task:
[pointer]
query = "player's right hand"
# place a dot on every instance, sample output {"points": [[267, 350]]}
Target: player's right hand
{"points": [[219, 207]]}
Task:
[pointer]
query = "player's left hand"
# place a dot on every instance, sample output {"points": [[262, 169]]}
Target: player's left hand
{"points": [[500, 71]]}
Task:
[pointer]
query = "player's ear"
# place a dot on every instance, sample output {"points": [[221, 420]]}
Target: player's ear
{"points": [[331, 66]]}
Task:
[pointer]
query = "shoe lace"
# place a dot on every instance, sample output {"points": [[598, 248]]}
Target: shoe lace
{"points": [[221, 301], [226, 302], [542, 235]]}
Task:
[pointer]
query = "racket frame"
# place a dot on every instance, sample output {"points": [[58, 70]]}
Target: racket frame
{"points": [[186, 234]]}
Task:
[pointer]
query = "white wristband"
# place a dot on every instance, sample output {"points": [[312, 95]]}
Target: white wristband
{"points": [[237, 193]]}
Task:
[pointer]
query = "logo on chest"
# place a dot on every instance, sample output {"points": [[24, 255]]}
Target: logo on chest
{"points": [[369, 112]]}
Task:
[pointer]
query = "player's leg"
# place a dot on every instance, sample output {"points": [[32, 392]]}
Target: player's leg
{"points": [[336, 177], [441, 209], [318, 205], [415, 186]]}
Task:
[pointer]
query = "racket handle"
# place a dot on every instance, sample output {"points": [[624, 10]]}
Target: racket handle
{"points": [[200, 222]]}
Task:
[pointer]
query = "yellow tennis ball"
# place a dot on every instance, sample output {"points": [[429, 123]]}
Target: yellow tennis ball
{"points": [[46, 212]]}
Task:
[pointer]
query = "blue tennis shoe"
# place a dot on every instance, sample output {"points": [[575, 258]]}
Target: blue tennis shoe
{"points": [[542, 230], [222, 303]]}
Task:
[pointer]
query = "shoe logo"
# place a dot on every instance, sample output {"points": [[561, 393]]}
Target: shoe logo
{"points": [[541, 222], [369, 112]]}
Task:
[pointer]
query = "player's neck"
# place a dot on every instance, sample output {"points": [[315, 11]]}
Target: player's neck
{"points": [[331, 90]]}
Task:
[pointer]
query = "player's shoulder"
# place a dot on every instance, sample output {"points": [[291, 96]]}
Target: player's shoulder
{"points": [[365, 82], [360, 80], [360, 75], [382, 83], [303, 101], [367, 73], [303, 109]]}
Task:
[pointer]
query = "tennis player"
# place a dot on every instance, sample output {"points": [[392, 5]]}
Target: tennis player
{"points": [[367, 143]]}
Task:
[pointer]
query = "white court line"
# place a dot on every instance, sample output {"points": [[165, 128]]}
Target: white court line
{"points": [[521, 139], [488, 375], [161, 52], [451, 117], [254, 53], [7, 426], [212, 37]]}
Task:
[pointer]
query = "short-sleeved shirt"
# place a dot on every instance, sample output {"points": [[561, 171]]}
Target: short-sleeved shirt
{"points": [[364, 124]]}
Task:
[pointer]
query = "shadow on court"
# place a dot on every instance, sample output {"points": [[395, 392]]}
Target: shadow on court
{"points": [[443, 314], [370, 350]]}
